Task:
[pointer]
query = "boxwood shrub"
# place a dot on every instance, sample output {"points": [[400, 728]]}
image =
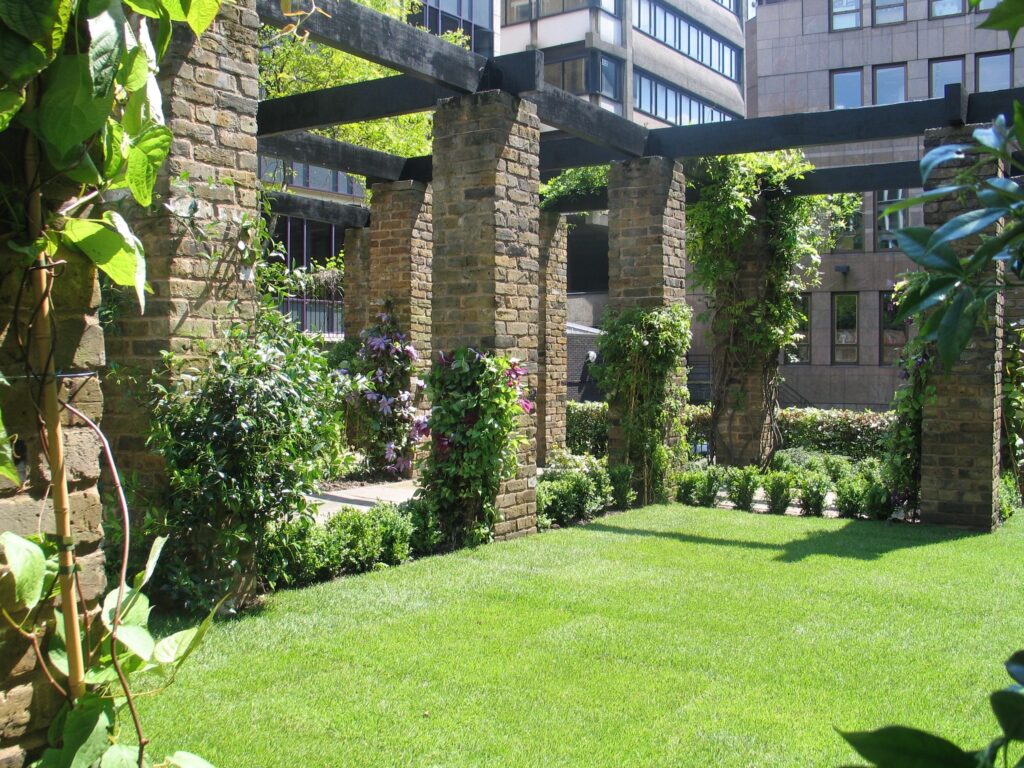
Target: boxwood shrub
{"points": [[586, 428]]}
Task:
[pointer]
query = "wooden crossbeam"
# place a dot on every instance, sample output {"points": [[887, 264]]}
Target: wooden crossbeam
{"points": [[579, 118], [858, 178], [344, 215], [336, 155]]}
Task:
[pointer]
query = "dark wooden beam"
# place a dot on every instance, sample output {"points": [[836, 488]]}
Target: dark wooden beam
{"points": [[859, 178], [344, 215], [561, 152], [577, 117], [343, 104], [336, 155], [983, 107], [356, 29]]}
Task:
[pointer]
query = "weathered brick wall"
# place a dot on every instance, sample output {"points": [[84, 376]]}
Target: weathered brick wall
{"points": [[646, 247], [210, 88], [357, 277], [960, 432], [486, 240], [552, 357], [27, 702], [744, 388]]}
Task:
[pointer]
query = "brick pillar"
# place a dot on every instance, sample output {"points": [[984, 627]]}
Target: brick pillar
{"points": [[486, 240], [960, 431], [646, 246], [744, 390], [356, 281], [210, 90], [27, 703], [552, 357]]}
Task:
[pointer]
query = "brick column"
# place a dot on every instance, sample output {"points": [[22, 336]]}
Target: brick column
{"points": [[552, 357], [744, 390], [960, 431], [486, 240], [646, 246], [210, 90], [27, 702], [356, 281]]}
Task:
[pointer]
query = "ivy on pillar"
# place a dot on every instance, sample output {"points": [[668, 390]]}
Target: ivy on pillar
{"points": [[486, 195]]}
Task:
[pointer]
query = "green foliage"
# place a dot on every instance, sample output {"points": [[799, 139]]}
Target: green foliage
{"points": [[798, 460], [573, 183], [849, 495], [244, 437], [642, 354], [476, 402], [623, 493], [88, 734], [586, 428], [897, 746], [708, 485], [741, 483], [837, 466], [903, 445], [686, 486], [778, 490], [857, 434], [1013, 400], [573, 489], [1010, 502], [812, 489]]}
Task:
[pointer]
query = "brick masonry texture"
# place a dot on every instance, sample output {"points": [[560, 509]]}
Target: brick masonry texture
{"points": [[960, 443], [357, 277], [745, 396], [646, 246], [27, 702], [552, 356], [210, 90], [486, 249]]}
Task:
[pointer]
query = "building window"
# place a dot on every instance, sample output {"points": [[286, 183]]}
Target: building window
{"points": [[994, 71], [845, 14], [940, 8], [473, 17], [847, 92], [658, 98], [844, 328], [517, 11], [894, 334], [943, 72], [799, 352], [682, 34], [889, 11], [891, 84], [730, 5], [852, 237], [569, 75], [888, 224], [611, 78]]}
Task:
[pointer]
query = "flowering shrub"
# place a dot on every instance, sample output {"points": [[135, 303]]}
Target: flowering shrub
{"points": [[382, 404], [477, 400], [857, 434]]}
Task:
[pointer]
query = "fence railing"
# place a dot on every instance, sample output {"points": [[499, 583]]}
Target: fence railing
{"points": [[324, 316]]}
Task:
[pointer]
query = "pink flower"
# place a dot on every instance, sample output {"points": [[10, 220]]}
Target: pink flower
{"points": [[526, 405]]}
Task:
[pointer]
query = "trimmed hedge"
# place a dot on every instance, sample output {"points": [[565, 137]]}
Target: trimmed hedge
{"points": [[586, 428]]}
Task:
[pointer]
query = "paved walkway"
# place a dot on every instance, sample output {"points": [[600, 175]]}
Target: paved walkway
{"points": [[361, 496]]}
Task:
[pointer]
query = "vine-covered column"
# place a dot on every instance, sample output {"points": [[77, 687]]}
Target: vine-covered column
{"points": [[552, 357], [646, 252], [486, 210], [960, 429]]}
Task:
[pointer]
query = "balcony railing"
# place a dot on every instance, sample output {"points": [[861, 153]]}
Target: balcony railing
{"points": [[324, 316]]}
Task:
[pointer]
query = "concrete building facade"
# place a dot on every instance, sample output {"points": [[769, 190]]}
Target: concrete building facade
{"points": [[813, 55]]}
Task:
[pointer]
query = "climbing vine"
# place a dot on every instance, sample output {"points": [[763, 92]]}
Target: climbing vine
{"points": [[755, 248], [574, 182], [642, 354]]}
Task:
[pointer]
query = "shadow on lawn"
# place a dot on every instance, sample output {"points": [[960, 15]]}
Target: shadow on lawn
{"points": [[857, 539]]}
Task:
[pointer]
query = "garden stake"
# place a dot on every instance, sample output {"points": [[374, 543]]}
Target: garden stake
{"points": [[42, 347]]}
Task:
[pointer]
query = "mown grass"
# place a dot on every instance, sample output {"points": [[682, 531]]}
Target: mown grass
{"points": [[666, 636]]}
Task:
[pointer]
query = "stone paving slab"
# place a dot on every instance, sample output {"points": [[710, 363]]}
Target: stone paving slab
{"points": [[328, 503]]}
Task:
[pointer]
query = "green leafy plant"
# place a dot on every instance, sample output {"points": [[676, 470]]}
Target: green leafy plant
{"points": [[778, 491], [856, 434], [741, 483], [586, 428], [573, 489], [836, 467], [642, 355], [812, 490], [849, 495], [903, 446], [687, 483], [476, 403], [1010, 502], [708, 485], [623, 493], [574, 182]]}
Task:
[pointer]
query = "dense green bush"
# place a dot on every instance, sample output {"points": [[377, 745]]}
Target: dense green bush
{"points": [[698, 423], [244, 436], [686, 483], [1010, 501], [741, 483], [849, 495], [798, 460], [573, 489], [812, 490], [707, 487], [836, 466], [857, 434], [586, 428], [623, 493], [778, 491]]}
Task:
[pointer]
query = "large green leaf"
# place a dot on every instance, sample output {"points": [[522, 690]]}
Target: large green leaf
{"points": [[112, 247], [134, 608], [900, 747], [1008, 706], [958, 323], [149, 8], [20, 60], [106, 47], [113, 150], [141, 579], [965, 225], [939, 155], [919, 298], [915, 242], [69, 111], [27, 566], [137, 640], [135, 70], [1007, 15], [11, 103], [1015, 666], [177, 9], [174, 648], [32, 19], [86, 731], [146, 156], [187, 760], [7, 468], [121, 756], [201, 14]]}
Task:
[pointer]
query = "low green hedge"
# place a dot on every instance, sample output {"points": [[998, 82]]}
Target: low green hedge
{"points": [[586, 428]]}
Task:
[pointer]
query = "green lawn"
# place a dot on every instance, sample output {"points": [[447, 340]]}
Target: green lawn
{"points": [[663, 636]]}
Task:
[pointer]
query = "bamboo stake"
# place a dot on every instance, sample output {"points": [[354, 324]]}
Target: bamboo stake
{"points": [[42, 348]]}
